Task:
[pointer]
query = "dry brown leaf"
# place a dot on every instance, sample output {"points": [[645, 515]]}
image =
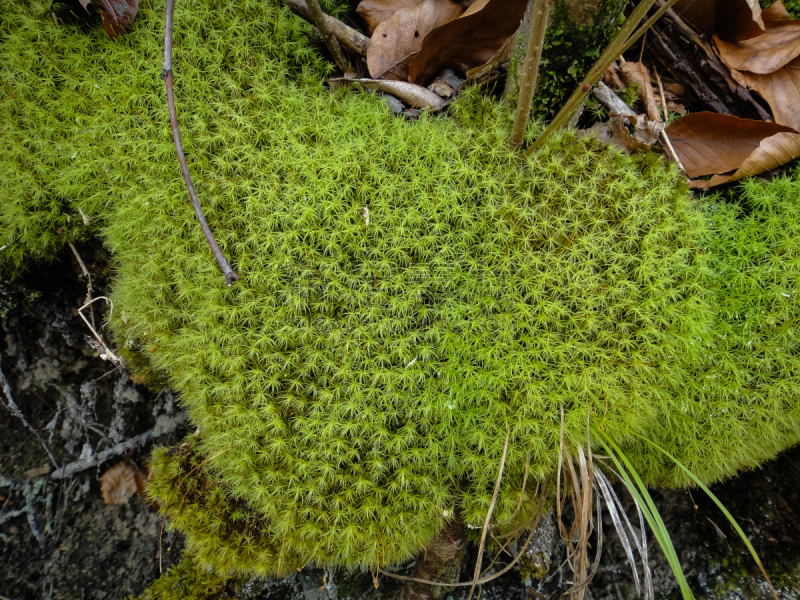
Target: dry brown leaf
{"points": [[119, 483], [37, 472], [397, 39], [374, 12], [720, 16], [780, 89], [773, 48], [476, 6], [769, 64], [118, 14], [615, 132], [637, 73], [414, 95], [730, 148], [469, 41]]}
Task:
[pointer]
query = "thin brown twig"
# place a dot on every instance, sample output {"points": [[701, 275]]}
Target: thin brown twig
{"points": [[477, 574], [230, 276]]}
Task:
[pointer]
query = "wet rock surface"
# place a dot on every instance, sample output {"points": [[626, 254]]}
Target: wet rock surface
{"points": [[59, 540]]}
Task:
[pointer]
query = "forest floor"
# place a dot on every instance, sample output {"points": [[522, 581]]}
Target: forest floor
{"points": [[60, 540]]}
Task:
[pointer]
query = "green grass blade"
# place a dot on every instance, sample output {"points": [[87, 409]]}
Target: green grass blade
{"points": [[639, 491], [719, 504]]}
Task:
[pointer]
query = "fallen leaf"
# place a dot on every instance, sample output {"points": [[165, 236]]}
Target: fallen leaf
{"points": [[441, 88], [769, 64], [765, 53], [482, 72], [730, 148], [37, 472], [720, 16], [374, 12], [414, 95], [119, 483], [118, 14], [780, 89], [468, 41], [398, 38], [643, 135], [637, 73]]}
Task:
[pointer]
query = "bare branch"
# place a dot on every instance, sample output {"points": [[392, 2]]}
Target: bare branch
{"points": [[321, 23], [230, 276], [347, 36], [530, 69], [169, 425]]}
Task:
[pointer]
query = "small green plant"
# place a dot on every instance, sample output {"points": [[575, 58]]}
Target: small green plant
{"points": [[186, 581]]}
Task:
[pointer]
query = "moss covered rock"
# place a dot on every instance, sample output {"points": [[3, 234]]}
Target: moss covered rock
{"points": [[410, 293]]}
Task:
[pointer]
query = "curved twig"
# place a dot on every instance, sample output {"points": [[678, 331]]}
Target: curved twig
{"points": [[230, 276]]}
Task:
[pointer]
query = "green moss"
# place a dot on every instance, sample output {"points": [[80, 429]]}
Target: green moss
{"points": [[572, 44], [186, 581], [355, 387], [14, 294]]}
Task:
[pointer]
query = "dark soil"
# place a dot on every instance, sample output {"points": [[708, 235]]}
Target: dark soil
{"points": [[89, 550]]}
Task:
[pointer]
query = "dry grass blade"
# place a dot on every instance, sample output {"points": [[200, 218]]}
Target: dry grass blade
{"points": [[641, 545], [477, 574], [607, 492]]}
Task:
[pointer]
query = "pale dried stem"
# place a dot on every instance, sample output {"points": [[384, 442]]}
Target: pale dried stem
{"points": [[229, 274], [664, 137], [113, 357], [530, 70], [477, 574], [321, 23]]}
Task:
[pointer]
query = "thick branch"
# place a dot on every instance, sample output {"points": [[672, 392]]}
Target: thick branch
{"points": [[530, 69], [171, 424], [230, 276], [611, 101], [321, 23], [347, 36]]}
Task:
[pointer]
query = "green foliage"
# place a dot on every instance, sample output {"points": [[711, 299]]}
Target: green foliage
{"points": [[186, 581], [14, 294], [740, 404], [572, 44], [355, 387], [68, 93]]}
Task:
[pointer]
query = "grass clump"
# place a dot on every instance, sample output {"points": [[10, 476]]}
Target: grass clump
{"points": [[354, 389]]}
